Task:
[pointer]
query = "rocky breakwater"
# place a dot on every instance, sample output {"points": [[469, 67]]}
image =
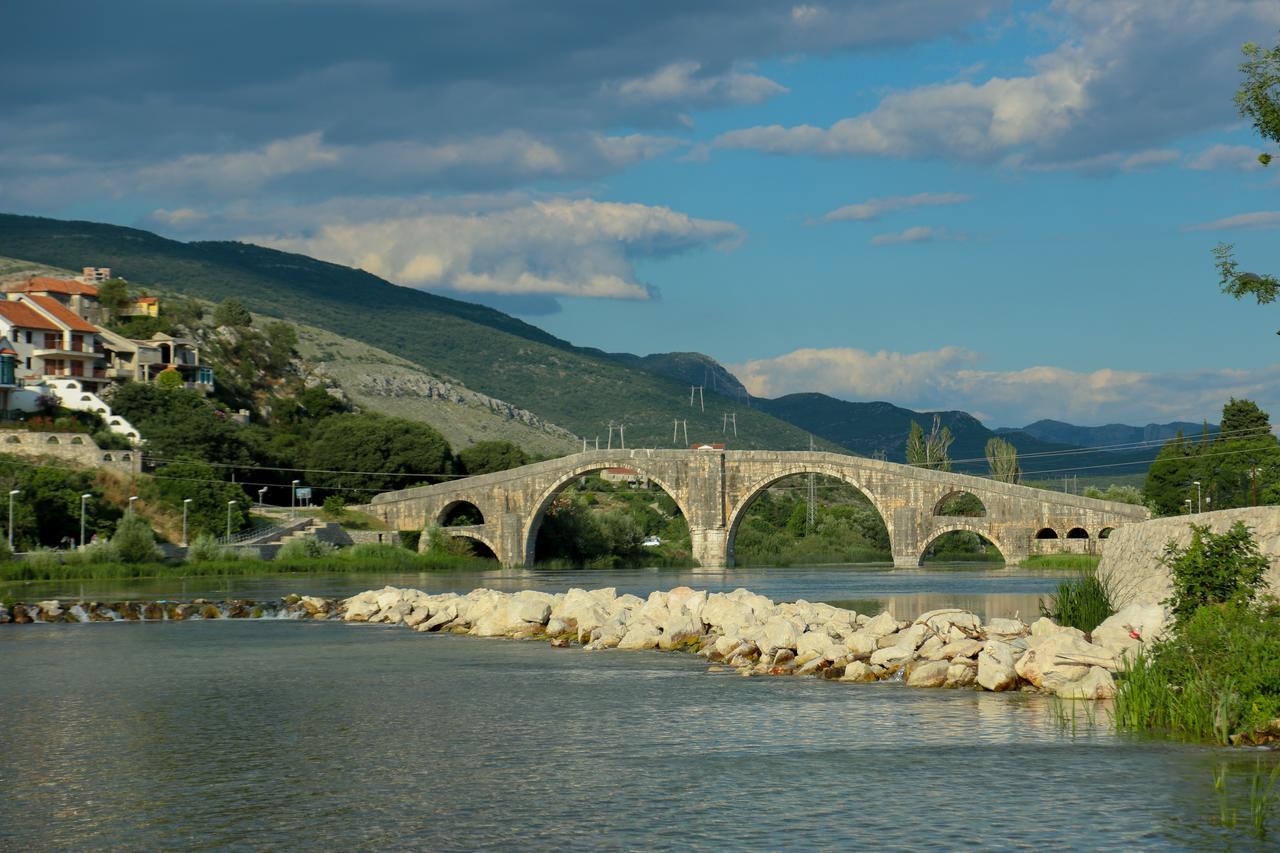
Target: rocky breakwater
{"points": [[755, 636], [54, 610]]}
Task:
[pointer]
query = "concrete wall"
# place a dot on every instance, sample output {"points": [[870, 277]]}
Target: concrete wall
{"points": [[1132, 557], [75, 447]]}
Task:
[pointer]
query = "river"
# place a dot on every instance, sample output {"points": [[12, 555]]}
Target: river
{"points": [[288, 734]]}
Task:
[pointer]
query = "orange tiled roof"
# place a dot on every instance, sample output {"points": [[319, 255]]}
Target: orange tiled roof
{"points": [[44, 284], [24, 316], [62, 313], [147, 300]]}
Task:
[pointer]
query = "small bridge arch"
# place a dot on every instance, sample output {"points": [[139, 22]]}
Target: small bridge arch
{"points": [[965, 527]]}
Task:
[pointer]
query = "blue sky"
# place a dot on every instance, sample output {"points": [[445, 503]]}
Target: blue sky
{"points": [[1001, 207]]}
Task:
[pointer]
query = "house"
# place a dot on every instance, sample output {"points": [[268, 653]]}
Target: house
{"points": [[77, 296], [630, 476], [94, 274], [143, 306], [143, 361], [50, 341]]}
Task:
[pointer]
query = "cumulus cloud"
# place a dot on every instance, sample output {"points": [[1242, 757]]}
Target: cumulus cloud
{"points": [[510, 247], [874, 208], [1257, 220], [1105, 88], [949, 378], [1240, 158], [681, 82], [917, 234], [241, 170]]}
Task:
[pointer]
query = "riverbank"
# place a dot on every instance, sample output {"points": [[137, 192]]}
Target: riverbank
{"points": [[739, 630]]}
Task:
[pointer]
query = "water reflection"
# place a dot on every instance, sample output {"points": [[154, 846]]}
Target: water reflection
{"points": [[989, 592]]}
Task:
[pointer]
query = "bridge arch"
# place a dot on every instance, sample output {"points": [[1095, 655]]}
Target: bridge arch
{"points": [[529, 535], [1077, 533], [959, 503], [462, 511], [1046, 533], [934, 534], [752, 492], [475, 538], [1105, 532]]}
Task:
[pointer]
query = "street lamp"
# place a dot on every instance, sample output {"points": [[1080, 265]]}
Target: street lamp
{"points": [[83, 500], [230, 504], [1199, 503], [13, 493], [293, 499], [186, 505], [132, 498], [1188, 502], [262, 495]]}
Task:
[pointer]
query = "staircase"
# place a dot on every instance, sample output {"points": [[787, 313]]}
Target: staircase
{"points": [[73, 396]]}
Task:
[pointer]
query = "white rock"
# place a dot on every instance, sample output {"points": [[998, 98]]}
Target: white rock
{"points": [[641, 634], [819, 645], [996, 666], [928, 674], [1061, 658], [965, 648], [1005, 628], [881, 625], [961, 674], [860, 643], [1096, 684], [680, 628], [857, 671], [1148, 621], [891, 656], [778, 633], [531, 606]]}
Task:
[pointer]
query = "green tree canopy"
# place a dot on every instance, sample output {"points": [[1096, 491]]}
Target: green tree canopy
{"points": [[113, 295], [231, 312], [48, 510], [485, 457], [929, 451], [180, 424], [1002, 457], [1241, 418], [200, 482], [387, 453]]}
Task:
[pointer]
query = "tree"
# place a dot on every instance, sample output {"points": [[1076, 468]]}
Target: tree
{"points": [[180, 424], [1242, 418], [1002, 456], [169, 379], [282, 340], [231, 312], [113, 295], [1257, 99], [1215, 568], [1170, 475], [485, 457], [381, 453], [929, 451], [200, 483], [134, 541]]}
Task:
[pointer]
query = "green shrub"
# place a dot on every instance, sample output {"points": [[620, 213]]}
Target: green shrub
{"points": [[6, 553], [394, 555], [1217, 678], [1082, 602], [134, 541], [44, 560], [410, 539], [441, 543], [305, 548], [334, 505], [94, 554], [206, 549], [1215, 568]]}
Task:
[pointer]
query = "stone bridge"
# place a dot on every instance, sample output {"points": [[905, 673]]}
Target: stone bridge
{"points": [[714, 489]]}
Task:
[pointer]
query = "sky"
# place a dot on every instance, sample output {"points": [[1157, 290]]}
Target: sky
{"points": [[1006, 208]]}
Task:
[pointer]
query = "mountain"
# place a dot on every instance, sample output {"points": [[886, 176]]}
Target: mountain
{"points": [[490, 352], [1108, 436], [881, 428], [691, 368]]}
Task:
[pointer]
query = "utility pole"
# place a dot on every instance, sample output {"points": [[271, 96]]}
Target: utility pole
{"points": [[729, 418], [676, 426], [610, 446], [696, 390], [811, 515]]}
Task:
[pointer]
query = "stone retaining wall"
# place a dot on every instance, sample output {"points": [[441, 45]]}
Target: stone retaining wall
{"points": [[1132, 557], [75, 447]]}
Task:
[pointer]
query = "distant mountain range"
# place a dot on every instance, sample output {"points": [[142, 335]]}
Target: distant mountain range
{"points": [[581, 389], [1110, 436]]}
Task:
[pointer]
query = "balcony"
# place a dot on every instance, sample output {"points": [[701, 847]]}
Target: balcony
{"points": [[62, 352]]}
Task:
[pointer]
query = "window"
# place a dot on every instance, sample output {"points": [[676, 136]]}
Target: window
{"points": [[28, 357], [51, 341], [28, 341]]}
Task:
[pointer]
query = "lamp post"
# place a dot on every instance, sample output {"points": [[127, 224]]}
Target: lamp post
{"points": [[262, 495], [186, 505], [1188, 502], [132, 498], [230, 504], [1199, 503], [84, 499], [13, 493], [293, 499]]}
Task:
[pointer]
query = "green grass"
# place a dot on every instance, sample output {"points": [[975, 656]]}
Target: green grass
{"points": [[1083, 602], [344, 562], [1080, 562]]}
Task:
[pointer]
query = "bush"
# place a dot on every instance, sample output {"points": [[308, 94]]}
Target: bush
{"points": [[6, 553], [1215, 568], [410, 539], [384, 552], [304, 548], [206, 549], [94, 554], [334, 505], [44, 560], [134, 541], [1082, 602], [1217, 679], [441, 543]]}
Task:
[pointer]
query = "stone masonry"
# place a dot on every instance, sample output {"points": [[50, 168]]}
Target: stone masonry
{"points": [[714, 489]]}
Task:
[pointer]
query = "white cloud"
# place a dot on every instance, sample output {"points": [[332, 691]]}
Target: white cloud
{"points": [[873, 208], [1113, 161], [1241, 158], [680, 82], [1107, 87], [917, 234], [948, 378], [1258, 220], [507, 246], [183, 217], [242, 170]]}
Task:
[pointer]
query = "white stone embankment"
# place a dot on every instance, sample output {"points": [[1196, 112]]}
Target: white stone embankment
{"points": [[755, 636], [1131, 561]]}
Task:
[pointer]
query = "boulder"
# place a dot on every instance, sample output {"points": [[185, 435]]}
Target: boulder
{"points": [[928, 674], [880, 625], [996, 666], [1061, 658], [891, 656], [1005, 628], [641, 634], [726, 615], [1096, 684], [948, 623], [860, 643], [440, 618], [679, 629], [531, 606], [961, 673], [965, 648], [818, 644], [1117, 633], [778, 633], [857, 671], [360, 607]]}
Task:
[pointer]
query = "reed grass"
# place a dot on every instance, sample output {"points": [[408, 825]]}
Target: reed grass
{"points": [[1084, 601], [1078, 562]]}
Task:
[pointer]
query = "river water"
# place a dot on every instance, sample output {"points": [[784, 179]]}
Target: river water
{"points": [[255, 733]]}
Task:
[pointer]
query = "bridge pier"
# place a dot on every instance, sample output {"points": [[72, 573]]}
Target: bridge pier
{"points": [[710, 546]]}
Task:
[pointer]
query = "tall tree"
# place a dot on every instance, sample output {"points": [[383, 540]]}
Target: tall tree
{"points": [[1002, 456], [1257, 99], [1241, 418], [929, 451]]}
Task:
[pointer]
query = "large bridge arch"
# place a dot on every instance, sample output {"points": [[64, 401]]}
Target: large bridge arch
{"points": [[529, 535], [755, 489], [457, 507], [978, 529], [474, 536]]}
